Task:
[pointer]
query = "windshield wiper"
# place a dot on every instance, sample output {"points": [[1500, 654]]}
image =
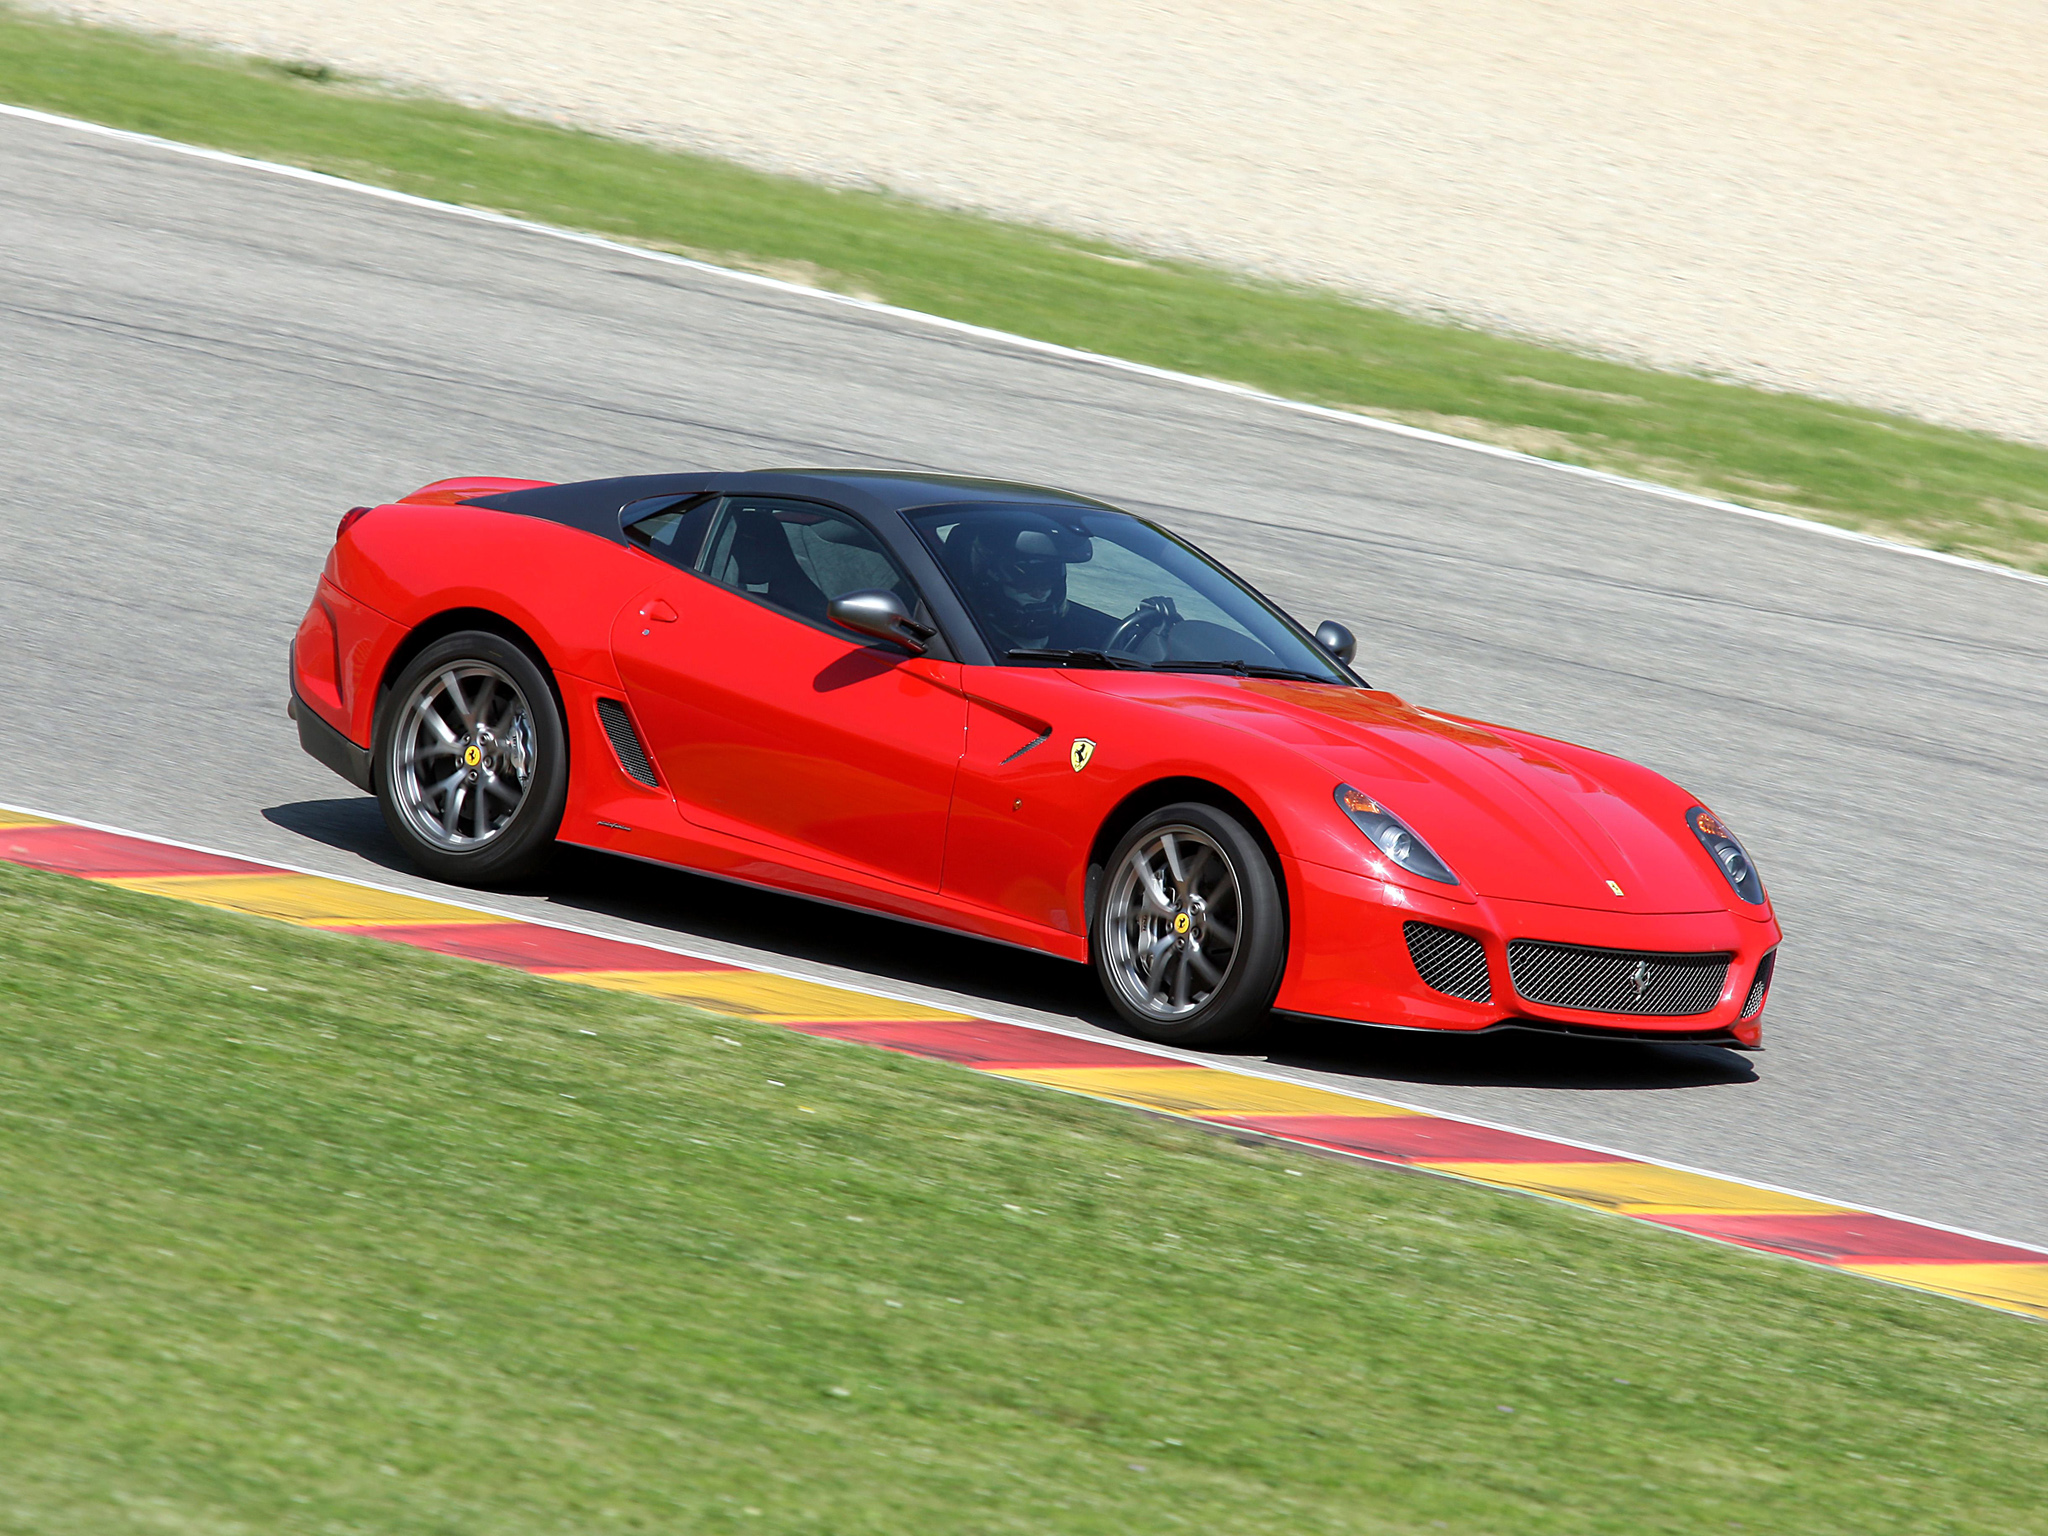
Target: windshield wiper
{"points": [[1087, 658], [1241, 669], [1082, 658]]}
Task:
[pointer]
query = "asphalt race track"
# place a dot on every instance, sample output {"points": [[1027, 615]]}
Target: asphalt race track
{"points": [[201, 366]]}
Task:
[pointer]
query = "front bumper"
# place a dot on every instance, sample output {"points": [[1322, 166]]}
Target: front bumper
{"points": [[1349, 961]]}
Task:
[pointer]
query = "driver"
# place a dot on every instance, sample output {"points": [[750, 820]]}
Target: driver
{"points": [[1012, 570]]}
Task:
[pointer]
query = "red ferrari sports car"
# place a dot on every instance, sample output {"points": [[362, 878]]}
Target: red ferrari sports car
{"points": [[1015, 713]]}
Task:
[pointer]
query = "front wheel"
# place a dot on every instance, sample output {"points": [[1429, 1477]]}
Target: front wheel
{"points": [[471, 761], [1190, 933]]}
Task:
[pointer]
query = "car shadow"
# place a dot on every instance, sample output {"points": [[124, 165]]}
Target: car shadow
{"points": [[581, 881], [351, 823], [584, 882]]}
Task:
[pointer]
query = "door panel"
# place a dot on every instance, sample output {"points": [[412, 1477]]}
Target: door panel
{"points": [[1022, 817], [773, 729]]}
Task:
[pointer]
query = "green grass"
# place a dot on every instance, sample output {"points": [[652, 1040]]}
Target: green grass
{"points": [[1959, 491], [307, 1234]]}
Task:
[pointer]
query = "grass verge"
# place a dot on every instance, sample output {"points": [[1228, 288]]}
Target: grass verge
{"points": [[1959, 491], [309, 1234]]}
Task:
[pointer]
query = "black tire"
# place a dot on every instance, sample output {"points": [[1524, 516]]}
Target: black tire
{"points": [[1203, 992], [506, 757]]}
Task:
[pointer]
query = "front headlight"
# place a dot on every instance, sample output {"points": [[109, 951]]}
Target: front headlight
{"points": [[1730, 855], [1393, 839]]}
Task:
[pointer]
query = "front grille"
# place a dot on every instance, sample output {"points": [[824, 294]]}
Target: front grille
{"points": [[1761, 985], [1450, 961], [626, 741], [1616, 980]]}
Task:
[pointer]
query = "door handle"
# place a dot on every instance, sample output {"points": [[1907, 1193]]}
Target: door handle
{"points": [[659, 612]]}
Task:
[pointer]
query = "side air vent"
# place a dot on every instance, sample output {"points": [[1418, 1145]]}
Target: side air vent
{"points": [[1449, 961], [626, 741], [1761, 987]]}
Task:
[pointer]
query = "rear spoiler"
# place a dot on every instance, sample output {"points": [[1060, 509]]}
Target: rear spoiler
{"points": [[445, 493]]}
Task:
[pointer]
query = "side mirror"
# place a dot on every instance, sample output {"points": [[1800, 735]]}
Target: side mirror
{"points": [[879, 615], [1337, 640]]}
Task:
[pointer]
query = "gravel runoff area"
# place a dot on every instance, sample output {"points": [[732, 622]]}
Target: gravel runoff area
{"points": [[1844, 199]]}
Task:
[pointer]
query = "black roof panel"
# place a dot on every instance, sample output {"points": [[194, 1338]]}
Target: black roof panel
{"points": [[593, 505], [900, 490]]}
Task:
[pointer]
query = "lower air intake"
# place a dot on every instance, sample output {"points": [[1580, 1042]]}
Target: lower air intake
{"points": [[1631, 981], [626, 741], [1761, 986], [1449, 961]]}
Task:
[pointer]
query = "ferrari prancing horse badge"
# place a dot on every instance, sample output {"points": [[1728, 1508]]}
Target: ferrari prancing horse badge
{"points": [[1083, 750]]}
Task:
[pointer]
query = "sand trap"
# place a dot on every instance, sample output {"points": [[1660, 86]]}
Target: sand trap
{"points": [[1844, 199]]}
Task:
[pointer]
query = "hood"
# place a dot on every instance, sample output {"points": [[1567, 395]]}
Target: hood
{"points": [[1516, 816]]}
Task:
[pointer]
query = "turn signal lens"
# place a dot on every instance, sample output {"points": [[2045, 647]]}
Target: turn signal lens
{"points": [[1726, 852], [349, 519], [1387, 833]]}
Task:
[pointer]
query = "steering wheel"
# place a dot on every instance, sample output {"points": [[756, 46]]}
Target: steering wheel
{"points": [[1153, 618]]}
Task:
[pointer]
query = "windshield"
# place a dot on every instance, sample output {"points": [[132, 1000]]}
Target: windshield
{"points": [[1070, 585]]}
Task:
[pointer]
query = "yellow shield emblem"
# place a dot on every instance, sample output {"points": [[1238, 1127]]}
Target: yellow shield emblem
{"points": [[472, 754], [1083, 750]]}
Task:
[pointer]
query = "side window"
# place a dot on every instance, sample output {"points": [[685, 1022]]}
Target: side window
{"points": [[796, 555], [668, 526]]}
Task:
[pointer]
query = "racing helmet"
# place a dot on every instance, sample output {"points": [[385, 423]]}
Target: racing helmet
{"points": [[1012, 571]]}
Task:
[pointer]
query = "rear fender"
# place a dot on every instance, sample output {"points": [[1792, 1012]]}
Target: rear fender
{"points": [[338, 656], [418, 562]]}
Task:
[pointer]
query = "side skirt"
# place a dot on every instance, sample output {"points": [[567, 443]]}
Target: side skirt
{"points": [[797, 893]]}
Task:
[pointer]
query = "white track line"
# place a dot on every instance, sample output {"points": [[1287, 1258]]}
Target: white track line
{"points": [[1006, 338], [1167, 1053]]}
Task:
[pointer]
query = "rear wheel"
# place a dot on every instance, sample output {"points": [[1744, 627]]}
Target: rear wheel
{"points": [[1190, 933], [471, 762]]}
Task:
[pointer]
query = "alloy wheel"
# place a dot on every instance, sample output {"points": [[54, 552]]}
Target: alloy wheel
{"points": [[462, 757], [1172, 922]]}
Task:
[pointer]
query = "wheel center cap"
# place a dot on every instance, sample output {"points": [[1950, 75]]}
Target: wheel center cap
{"points": [[472, 755], [1182, 922]]}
